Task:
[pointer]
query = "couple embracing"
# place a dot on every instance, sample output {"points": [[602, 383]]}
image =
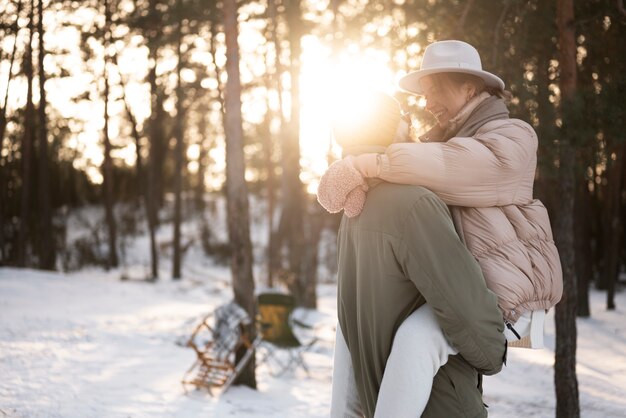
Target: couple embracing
{"points": [[445, 258]]}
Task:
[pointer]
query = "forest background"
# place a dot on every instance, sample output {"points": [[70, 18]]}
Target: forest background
{"points": [[152, 109]]}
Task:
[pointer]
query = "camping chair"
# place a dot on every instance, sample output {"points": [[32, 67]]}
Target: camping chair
{"points": [[276, 328], [216, 340]]}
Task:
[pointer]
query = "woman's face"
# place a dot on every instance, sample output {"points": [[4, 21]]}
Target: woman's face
{"points": [[445, 103]]}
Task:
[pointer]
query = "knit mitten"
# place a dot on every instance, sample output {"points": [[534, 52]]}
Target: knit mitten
{"points": [[355, 201], [340, 179]]}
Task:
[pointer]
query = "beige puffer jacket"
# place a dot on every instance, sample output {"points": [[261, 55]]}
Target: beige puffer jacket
{"points": [[488, 181]]}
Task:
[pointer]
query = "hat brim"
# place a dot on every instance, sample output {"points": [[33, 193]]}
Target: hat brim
{"points": [[410, 82]]}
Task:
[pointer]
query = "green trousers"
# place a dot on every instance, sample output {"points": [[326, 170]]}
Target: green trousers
{"points": [[456, 392]]}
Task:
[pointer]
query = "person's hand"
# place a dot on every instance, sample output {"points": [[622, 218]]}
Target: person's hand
{"points": [[342, 187]]}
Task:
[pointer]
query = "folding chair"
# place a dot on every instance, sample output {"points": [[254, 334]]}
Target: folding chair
{"points": [[215, 340], [276, 329]]}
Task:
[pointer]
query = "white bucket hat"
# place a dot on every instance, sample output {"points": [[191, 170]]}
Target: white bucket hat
{"points": [[449, 57]]}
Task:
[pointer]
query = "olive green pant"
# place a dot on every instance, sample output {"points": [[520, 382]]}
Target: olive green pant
{"points": [[455, 392]]}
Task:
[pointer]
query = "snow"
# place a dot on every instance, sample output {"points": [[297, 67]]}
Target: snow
{"points": [[87, 344]]}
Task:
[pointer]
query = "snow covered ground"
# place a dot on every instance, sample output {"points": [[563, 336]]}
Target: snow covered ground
{"points": [[89, 345]]}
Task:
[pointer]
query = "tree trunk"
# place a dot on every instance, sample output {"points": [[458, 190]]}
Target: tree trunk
{"points": [[213, 51], [155, 139], [47, 252], [268, 158], [3, 124], [140, 181], [236, 189], [143, 190], [566, 384], [273, 238], [595, 221], [203, 156], [315, 224], [28, 140], [583, 237], [107, 163], [178, 155], [293, 191], [159, 146], [158, 143], [268, 151], [3, 111], [612, 223]]}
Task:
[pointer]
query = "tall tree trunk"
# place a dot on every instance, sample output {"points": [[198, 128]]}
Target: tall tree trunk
{"points": [[155, 138], [612, 222], [622, 259], [107, 163], [28, 140], [139, 165], [583, 238], [566, 384], [158, 143], [236, 189], [3, 111], [143, 189], [213, 51], [595, 220], [159, 146], [268, 148], [178, 155], [293, 191], [203, 156], [47, 252], [314, 225], [3, 124], [274, 238], [266, 134]]}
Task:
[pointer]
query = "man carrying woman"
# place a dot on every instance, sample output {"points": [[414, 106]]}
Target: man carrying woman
{"points": [[404, 249]]}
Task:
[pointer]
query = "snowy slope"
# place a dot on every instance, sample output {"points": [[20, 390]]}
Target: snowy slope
{"points": [[89, 345]]}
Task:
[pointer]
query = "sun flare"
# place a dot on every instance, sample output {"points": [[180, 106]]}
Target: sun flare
{"points": [[331, 81]]}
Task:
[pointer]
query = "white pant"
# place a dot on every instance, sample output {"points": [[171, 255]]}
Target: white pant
{"points": [[419, 349]]}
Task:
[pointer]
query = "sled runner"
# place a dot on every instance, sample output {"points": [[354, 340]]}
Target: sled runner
{"points": [[216, 340]]}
